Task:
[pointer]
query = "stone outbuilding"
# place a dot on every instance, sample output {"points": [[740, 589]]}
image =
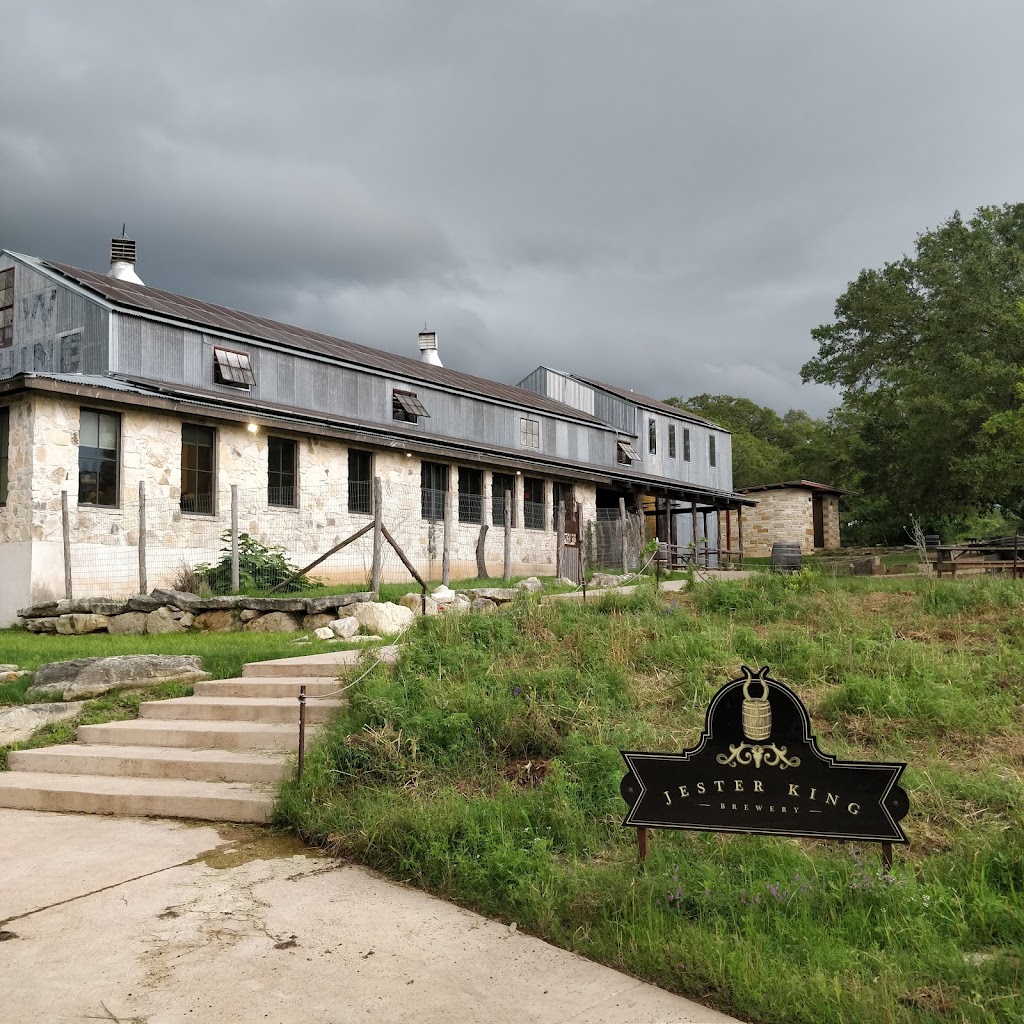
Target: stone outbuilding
{"points": [[795, 510]]}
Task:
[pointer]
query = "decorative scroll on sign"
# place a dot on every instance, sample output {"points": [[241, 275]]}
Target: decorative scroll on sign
{"points": [[758, 769]]}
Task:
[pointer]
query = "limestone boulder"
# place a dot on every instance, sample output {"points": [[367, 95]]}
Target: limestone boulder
{"points": [[79, 623], [143, 603], [89, 677], [415, 602], [566, 582], [224, 621], [499, 595], [335, 601], [382, 618], [274, 622], [18, 723], [38, 611], [128, 624], [248, 614], [317, 621], [602, 580], [44, 625], [443, 595], [483, 606], [164, 620], [91, 606], [531, 584], [324, 633], [345, 627]]}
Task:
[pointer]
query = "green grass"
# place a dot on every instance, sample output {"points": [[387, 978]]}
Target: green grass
{"points": [[485, 768]]}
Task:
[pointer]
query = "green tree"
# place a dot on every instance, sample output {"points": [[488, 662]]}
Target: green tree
{"points": [[928, 352]]}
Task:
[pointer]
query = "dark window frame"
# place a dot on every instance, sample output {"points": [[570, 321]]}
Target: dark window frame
{"points": [[195, 501], [96, 463], [7, 308], [5, 452], [712, 451], [434, 498], [626, 454], [686, 444], [234, 370], [671, 440], [406, 407], [529, 433], [471, 503], [559, 492], [652, 436], [360, 499], [533, 510], [283, 490], [498, 498]]}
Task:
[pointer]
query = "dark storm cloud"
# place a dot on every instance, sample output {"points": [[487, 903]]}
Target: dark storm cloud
{"points": [[665, 195]]}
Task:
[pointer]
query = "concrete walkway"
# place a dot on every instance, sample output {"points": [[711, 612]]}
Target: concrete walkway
{"points": [[668, 587], [158, 922]]}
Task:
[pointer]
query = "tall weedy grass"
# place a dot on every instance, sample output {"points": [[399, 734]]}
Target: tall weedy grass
{"points": [[484, 767]]}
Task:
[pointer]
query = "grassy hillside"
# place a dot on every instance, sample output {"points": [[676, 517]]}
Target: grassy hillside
{"points": [[485, 768]]}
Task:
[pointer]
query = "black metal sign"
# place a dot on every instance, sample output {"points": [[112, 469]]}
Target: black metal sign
{"points": [[758, 769]]}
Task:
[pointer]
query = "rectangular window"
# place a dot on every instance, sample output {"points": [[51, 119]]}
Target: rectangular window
{"points": [[198, 445], [561, 494], [529, 433], [98, 437], [686, 444], [5, 451], [625, 452], [500, 484], [232, 368], [671, 440], [6, 308], [711, 449], [405, 406], [433, 489], [533, 503], [471, 495], [360, 482], [652, 436], [282, 472]]}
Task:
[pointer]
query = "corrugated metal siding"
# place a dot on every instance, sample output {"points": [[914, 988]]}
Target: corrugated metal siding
{"points": [[618, 413], [43, 311]]}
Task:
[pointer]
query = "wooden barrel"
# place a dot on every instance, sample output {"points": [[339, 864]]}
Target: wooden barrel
{"points": [[785, 556]]}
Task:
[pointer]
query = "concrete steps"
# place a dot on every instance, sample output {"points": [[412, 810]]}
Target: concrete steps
{"points": [[102, 794], [217, 756], [250, 766]]}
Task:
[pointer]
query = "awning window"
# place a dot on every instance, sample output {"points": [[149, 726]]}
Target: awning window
{"points": [[409, 404], [232, 368], [627, 451]]}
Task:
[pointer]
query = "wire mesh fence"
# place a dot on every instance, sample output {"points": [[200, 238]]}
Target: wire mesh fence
{"points": [[341, 536]]}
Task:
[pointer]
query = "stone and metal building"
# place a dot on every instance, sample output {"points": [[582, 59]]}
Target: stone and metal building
{"points": [[106, 384], [797, 511]]}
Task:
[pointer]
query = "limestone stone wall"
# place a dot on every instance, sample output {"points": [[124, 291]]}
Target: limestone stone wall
{"points": [[787, 514], [105, 562], [783, 514]]}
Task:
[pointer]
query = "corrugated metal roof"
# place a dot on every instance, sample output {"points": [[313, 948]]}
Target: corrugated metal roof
{"points": [[206, 314], [808, 485], [648, 403]]}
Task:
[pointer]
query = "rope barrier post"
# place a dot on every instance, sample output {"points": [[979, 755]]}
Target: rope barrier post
{"points": [[302, 728]]}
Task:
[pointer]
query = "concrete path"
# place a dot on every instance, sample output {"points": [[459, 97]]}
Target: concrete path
{"points": [[158, 922], [668, 587]]}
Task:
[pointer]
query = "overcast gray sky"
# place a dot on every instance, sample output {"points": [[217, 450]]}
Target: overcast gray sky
{"points": [[667, 195]]}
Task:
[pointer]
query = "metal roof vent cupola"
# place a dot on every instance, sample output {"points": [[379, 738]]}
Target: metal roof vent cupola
{"points": [[122, 259], [428, 348]]}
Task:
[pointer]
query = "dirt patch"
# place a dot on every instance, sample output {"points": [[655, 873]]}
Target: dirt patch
{"points": [[931, 998], [527, 772]]}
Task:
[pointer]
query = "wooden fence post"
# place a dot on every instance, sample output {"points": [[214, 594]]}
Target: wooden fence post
{"points": [[235, 578], [739, 531], [560, 540], [693, 531], [143, 580], [623, 542], [65, 525], [507, 568], [378, 537], [446, 560]]}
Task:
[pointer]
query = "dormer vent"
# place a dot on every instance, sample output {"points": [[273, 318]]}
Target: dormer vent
{"points": [[122, 260], [428, 348]]}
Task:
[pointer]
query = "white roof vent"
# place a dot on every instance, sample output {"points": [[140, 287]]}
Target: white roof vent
{"points": [[122, 260], [428, 348]]}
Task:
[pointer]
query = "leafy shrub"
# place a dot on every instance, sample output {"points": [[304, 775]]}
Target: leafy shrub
{"points": [[259, 567]]}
